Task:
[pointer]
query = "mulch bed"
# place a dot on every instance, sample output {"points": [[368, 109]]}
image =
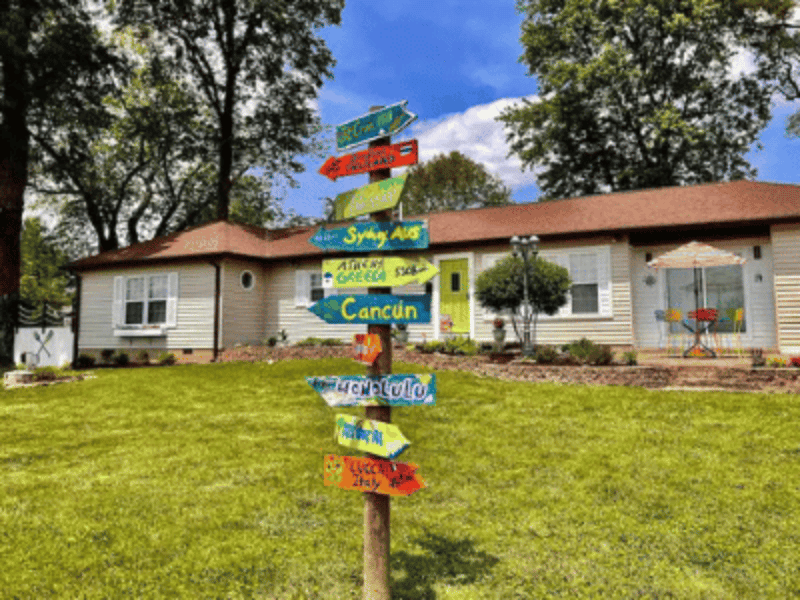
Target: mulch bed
{"points": [[650, 377]]}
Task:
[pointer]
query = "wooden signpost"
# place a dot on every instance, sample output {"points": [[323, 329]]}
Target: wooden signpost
{"points": [[376, 270], [367, 347], [381, 309], [381, 439], [372, 475], [381, 157], [376, 390], [369, 236], [375, 197], [374, 125]]}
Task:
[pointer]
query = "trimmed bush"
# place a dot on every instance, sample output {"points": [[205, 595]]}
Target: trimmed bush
{"points": [[600, 356], [331, 342], [630, 358], [106, 354], [166, 358], [309, 341], [46, 374], [143, 356], [121, 359], [580, 349], [461, 346], [430, 347], [545, 355], [85, 361]]}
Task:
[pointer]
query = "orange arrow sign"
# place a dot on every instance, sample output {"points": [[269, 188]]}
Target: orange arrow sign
{"points": [[367, 347], [382, 157], [372, 475]]}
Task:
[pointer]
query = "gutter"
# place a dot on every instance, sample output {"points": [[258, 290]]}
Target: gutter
{"points": [[217, 285], [76, 316]]}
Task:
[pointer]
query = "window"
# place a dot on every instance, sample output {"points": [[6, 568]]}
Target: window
{"points": [[717, 287], [455, 282], [583, 272], [144, 302], [309, 289], [317, 291]]}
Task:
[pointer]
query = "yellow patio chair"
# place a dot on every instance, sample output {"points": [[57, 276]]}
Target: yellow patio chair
{"points": [[737, 316], [674, 315]]}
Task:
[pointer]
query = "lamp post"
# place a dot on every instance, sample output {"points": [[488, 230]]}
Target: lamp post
{"points": [[527, 248]]}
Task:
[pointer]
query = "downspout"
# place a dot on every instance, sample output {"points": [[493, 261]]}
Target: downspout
{"points": [[76, 315], [217, 283]]}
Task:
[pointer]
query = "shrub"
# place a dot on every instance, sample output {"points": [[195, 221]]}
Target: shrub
{"points": [[430, 347], [460, 345], [143, 356], [272, 341], [106, 354], [600, 355], [309, 341], [545, 355], [166, 358], [630, 358], [46, 374], [331, 342], [85, 361], [580, 349], [121, 359]]}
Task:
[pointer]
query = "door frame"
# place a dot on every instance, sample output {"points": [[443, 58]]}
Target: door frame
{"points": [[470, 256]]}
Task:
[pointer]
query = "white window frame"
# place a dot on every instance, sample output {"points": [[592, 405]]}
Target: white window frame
{"points": [[302, 287], [122, 329], [252, 280], [561, 257]]}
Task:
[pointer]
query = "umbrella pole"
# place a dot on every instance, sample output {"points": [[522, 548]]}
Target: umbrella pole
{"points": [[697, 332]]}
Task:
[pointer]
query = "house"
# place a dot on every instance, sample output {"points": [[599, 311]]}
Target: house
{"points": [[212, 287]]}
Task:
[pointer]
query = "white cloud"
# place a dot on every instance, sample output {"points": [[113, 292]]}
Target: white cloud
{"points": [[477, 134]]}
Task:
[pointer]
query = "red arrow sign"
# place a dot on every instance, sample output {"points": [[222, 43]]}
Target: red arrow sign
{"points": [[367, 347], [383, 157], [371, 475]]}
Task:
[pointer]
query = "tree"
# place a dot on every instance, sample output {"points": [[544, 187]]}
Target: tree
{"points": [[452, 182], [636, 94], [501, 288], [48, 57], [43, 281], [257, 64]]}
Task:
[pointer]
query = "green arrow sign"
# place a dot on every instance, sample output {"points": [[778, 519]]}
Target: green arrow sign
{"points": [[373, 270], [370, 126], [371, 198], [381, 439]]}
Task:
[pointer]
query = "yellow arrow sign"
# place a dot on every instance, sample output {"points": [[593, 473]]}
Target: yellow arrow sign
{"points": [[376, 270]]}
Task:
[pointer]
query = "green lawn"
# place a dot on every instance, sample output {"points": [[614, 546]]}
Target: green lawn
{"points": [[206, 482]]}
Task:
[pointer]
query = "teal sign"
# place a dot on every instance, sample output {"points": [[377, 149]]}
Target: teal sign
{"points": [[372, 236], [379, 309], [376, 390], [374, 125]]}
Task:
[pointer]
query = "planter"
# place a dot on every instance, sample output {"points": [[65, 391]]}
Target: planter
{"points": [[401, 337], [499, 335]]}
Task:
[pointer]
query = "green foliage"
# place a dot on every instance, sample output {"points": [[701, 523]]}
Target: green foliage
{"points": [[84, 361], [331, 342], [580, 349], [600, 356], [143, 356], [121, 359], [42, 278], [430, 347], [638, 94], [545, 355], [309, 341], [47, 373], [460, 346], [106, 354], [630, 358], [166, 358], [452, 182]]}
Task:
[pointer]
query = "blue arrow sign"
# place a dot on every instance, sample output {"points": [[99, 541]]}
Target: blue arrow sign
{"points": [[374, 125], [371, 236], [376, 390], [380, 309]]}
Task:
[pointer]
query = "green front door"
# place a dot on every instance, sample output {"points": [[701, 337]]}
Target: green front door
{"points": [[454, 296]]}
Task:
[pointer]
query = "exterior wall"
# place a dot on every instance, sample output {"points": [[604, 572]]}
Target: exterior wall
{"points": [[613, 330], [195, 315], [243, 312], [758, 309], [786, 251]]}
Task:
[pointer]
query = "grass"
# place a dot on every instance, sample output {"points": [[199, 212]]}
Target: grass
{"points": [[206, 482]]}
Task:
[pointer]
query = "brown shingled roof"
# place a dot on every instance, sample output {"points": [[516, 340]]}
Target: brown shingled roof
{"points": [[714, 204]]}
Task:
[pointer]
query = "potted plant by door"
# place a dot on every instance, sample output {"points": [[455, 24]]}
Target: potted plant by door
{"points": [[499, 331], [401, 333]]}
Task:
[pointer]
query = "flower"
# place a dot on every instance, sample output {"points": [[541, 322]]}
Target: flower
{"points": [[795, 361], [499, 323]]}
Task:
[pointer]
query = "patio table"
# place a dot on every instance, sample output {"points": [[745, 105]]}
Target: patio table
{"points": [[703, 319]]}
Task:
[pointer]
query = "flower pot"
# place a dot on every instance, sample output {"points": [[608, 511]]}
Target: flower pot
{"points": [[499, 335], [401, 336]]}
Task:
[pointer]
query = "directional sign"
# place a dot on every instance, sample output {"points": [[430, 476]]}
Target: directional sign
{"points": [[370, 436], [369, 236], [371, 198], [374, 125], [372, 475], [376, 270], [380, 157], [379, 309], [376, 390], [367, 346]]}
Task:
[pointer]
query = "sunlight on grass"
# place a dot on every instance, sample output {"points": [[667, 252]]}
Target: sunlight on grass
{"points": [[206, 482]]}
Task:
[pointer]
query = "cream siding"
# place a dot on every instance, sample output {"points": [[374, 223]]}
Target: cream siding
{"points": [[195, 309], [786, 251], [243, 311], [615, 329], [758, 297]]}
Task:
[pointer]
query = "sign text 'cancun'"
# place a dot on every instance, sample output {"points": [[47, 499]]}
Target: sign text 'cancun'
{"points": [[379, 309]]}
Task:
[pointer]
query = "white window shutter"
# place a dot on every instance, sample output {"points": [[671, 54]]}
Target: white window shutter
{"points": [[562, 260], [118, 306], [604, 283], [172, 301], [302, 288]]}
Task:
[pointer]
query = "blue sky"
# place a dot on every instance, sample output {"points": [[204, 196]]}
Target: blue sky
{"points": [[456, 62]]}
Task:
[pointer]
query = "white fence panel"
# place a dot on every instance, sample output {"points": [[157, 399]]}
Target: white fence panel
{"points": [[51, 347]]}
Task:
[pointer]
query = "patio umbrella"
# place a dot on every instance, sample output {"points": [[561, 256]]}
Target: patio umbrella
{"points": [[696, 255]]}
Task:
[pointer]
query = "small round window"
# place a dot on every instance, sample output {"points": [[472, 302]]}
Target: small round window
{"points": [[248, 281]]}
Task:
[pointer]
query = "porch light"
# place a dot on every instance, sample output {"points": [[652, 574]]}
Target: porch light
{"points": [[527, 248]]}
